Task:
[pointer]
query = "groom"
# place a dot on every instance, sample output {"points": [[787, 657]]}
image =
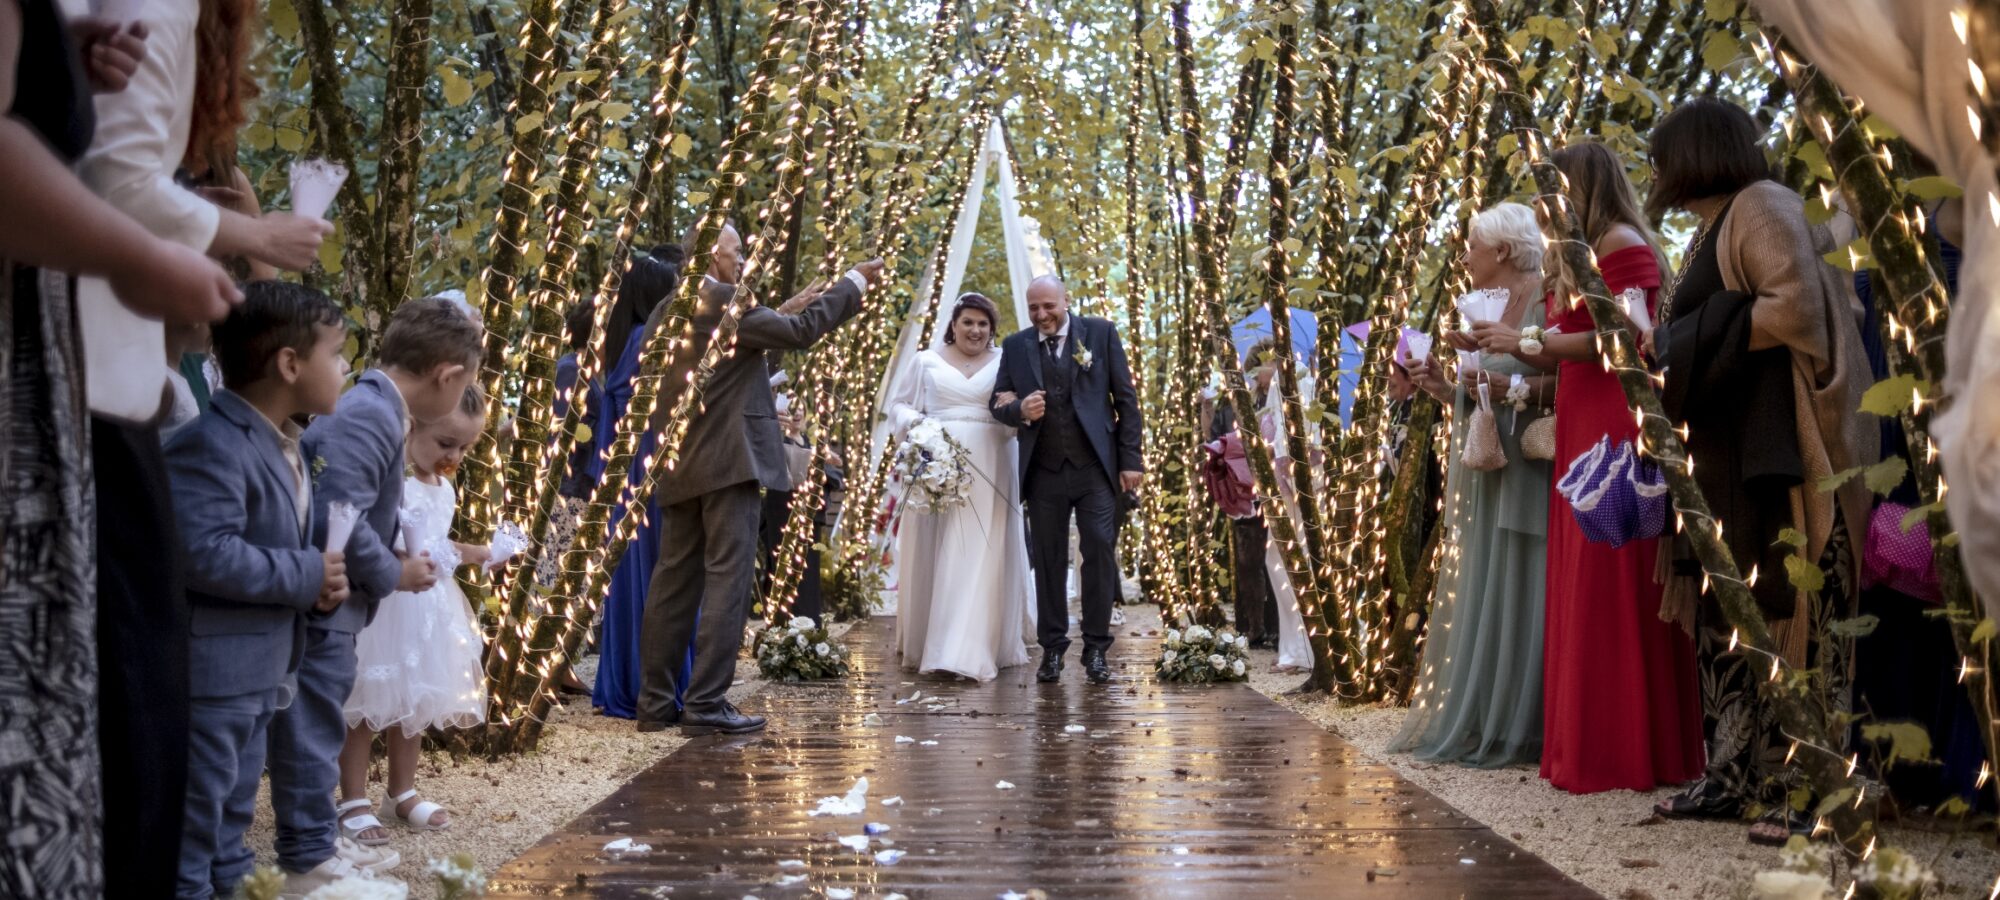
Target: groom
{"points": [[1065, 385]]}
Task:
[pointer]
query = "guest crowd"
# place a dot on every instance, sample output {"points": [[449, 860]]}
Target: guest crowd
{"points": [[1604, 655], [222, 564]]}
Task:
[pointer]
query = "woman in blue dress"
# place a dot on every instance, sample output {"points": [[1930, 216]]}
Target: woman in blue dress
{"points": [[650, 280]]}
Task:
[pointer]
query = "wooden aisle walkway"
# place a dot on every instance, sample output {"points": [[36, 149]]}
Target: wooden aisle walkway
{"points": [[1133, 789]]}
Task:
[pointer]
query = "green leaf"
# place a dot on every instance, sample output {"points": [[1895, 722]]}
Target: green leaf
{"points": [[612, 112], [1890, 396], [1817, 212], [1984, 631], [1721, 10], [680, 146], [1814, 157], [1953, 806], [1884, 476], [527, 123], [1791, 537], [1721, 49], [626, 15], [1854, 257], [1833, 482], [697, 198], [1911, 518], [1908, 741], [1879, 128], [1859, 626], [457, 90], [1833, 801], [1804, 575], [1935, 187], [291, 139], [259, 136], [284, 19]]}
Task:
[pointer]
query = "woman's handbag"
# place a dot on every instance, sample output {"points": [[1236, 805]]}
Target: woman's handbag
{"points": [[1538, 441], [1623, 500], [1483, 452], [1898, 559]]}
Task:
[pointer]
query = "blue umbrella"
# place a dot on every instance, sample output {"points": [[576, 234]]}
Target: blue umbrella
{"points": [[1257, 326]]}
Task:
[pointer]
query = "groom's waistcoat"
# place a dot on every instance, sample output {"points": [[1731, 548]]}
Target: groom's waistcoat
{"points": [[1062, 438]]}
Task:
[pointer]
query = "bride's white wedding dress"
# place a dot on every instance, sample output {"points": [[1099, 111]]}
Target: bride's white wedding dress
{"points": [[963, 588]]}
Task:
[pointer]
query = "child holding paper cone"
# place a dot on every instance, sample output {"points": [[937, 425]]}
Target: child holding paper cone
{"points": [[242, 494], [419, 660], [428, 355]]}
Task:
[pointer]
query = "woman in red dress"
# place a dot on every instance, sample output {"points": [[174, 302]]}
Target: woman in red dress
{"points": [[1621, 705]]}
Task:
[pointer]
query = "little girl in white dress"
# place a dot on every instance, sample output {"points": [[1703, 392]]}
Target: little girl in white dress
{"points": [[419, 660]]}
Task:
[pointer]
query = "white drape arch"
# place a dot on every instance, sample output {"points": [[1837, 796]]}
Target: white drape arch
{"points": [[1028, 258]]}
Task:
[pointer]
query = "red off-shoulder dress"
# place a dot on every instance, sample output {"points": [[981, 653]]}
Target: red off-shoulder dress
{"points": [[1621, 705]]}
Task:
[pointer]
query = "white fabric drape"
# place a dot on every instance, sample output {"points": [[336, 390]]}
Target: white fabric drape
{"points": [[1905, 60]]}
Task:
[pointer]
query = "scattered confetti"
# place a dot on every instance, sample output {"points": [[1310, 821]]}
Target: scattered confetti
{"points": [[875, 828], [791, 864], [627, 845], [890, 857], [910, 699], [833, 893], [893, 801], [1180, 851], [855, 842], [1075, 729], [851, 805], [1466, 862], [905, 739], [927, 743], [788, 880], [872, 719], [1004, 785]]}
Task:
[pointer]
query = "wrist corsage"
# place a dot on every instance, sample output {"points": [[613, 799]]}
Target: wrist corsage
{"points": [[1531, 340], [1517, 392]]}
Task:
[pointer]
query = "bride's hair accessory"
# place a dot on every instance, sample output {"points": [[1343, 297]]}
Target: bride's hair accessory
{"points": [[971, 300]]}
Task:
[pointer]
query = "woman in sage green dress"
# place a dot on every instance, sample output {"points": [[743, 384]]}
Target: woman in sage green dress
{"points": [[1479, 692]]}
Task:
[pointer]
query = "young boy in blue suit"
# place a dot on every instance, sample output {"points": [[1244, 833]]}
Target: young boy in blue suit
{"points": [[427, 357], [242, 495]]}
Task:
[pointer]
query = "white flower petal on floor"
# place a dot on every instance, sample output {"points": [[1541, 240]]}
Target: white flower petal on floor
{"points": [[855, 842], [627, 846], [890, 857], [855, 801], [1004, 785]]}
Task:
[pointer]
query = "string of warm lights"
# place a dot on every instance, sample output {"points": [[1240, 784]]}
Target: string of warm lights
{"points": [[592, 361], [584, 580], [506, 253]]}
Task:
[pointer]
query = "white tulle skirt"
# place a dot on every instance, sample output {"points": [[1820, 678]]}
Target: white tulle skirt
{"points": [[419, 664]]}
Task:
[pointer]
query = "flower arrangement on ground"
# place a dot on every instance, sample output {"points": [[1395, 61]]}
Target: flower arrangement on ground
{"points": [[799, 650], [1201, 656], [935, 467], [851, 590]]}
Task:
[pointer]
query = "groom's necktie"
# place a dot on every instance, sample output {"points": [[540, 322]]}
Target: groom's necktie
{"points": [[1049, 350]]}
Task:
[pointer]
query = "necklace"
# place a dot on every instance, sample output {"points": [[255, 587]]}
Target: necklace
{"points": [[1673, 287]]}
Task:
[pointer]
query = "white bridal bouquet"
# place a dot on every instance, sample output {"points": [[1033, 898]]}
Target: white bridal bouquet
{"points": [[799, 650], [1200, 656], [935, 466]]}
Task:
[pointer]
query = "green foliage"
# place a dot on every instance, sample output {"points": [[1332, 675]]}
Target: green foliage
{"points": [[1908, 741]]}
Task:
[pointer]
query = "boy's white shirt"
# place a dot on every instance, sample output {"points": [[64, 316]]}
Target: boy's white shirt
{"points": [[141, 133]]}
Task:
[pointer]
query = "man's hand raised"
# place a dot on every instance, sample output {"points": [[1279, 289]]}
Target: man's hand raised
{"points": [[871, 270]]}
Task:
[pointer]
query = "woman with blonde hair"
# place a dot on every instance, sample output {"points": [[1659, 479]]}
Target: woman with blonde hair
{"points": [[1479, 698], [1620, 708]]}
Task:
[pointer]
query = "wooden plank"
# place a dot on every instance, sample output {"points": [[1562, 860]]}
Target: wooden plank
{"points": [[1167, 791]]}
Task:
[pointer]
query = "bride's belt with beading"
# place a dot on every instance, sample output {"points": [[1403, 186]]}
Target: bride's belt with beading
{"points": [[974, 418]]}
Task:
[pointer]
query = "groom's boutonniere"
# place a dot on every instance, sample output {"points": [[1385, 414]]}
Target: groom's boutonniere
{"points": [[318, 466], [1083, 357]]}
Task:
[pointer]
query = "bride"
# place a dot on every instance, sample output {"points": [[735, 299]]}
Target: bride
{"points": [[962, 573]]}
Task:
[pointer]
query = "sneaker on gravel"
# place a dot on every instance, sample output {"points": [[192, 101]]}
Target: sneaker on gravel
{"points": [[337, 870], [373, 860]]}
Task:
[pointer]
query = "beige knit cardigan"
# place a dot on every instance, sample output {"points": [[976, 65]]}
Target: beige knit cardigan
{"points": [[1767, 249]]}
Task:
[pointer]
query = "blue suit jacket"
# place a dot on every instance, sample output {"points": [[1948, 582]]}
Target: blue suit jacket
{"points": [[361, 445], [252, 573]]}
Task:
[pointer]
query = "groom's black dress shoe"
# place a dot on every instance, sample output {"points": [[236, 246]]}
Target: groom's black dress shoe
{"points": [[1051, 669], [648, 726], [727, 721], [1095, 668]]}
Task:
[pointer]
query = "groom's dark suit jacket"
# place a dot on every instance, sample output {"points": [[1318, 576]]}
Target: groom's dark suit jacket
{"points": [[1106, 406]]}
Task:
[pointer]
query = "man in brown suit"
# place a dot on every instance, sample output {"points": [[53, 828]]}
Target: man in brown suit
{"points": [[711, 498]]}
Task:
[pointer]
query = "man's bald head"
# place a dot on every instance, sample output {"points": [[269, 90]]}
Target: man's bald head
{"points": [[1048, 304]]}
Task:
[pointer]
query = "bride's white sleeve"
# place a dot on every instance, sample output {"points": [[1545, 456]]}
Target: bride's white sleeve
{"points": [[906, 405]]}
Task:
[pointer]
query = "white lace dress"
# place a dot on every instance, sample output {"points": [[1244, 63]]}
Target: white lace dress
{"points": [[419, 664], [963, 587]]}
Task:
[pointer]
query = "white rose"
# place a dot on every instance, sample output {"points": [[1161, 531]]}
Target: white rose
{"points": [[1242, 643], [1216, 661], [803, 623], [1173, 636], [1197, 633], [799, 639], [1171, 655], [822, 649], [1236, 667], [1790, 886]]}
